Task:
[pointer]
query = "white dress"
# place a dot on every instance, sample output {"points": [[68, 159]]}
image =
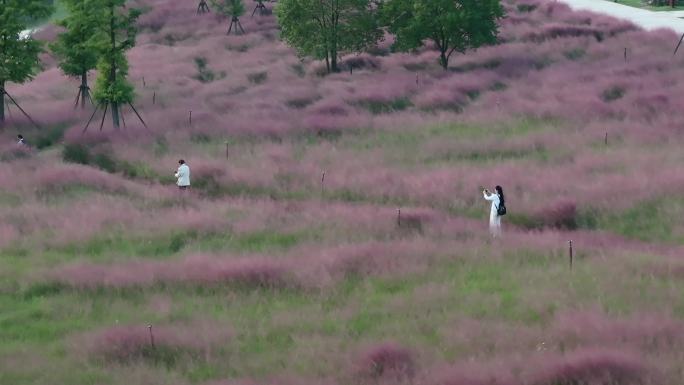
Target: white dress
{"points": [[183, 176], [494, 218]]}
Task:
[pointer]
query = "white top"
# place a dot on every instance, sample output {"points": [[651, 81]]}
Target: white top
{"points": [[494, 198], [183, 175]]}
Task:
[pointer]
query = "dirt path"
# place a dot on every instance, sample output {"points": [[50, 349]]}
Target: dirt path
{"points": [[646, 19]]}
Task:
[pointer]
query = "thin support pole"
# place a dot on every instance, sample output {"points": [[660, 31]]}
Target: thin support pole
{"points": [[678, 44], [104, 114], [20, 109], [78, 97], [97, 107], [399, 217], [570, 252], [138, 115]]}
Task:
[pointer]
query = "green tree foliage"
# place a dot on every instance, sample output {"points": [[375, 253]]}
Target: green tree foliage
{"points": [[74, 47], [18, 56], [230, 8], [115, 35], [452, 25], [323, 28]]}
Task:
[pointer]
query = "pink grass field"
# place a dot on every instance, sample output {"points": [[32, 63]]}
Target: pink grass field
{"points": [[335, 232]]}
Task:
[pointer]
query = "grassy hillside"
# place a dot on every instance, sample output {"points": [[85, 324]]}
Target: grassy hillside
{"points": [[382, 271]]}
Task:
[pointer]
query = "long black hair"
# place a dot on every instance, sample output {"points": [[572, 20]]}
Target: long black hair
{"points": [[499, 191]]}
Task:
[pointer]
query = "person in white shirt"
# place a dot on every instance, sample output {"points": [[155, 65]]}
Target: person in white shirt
{"points": [[182, 175], [498, 201], [20, 140]]}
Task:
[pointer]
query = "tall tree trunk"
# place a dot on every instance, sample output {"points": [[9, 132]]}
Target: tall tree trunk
{"points": [[443, 60], [112, 73], [327, 60], [84, 88], [333, 61], [115, 115], [2, 103]]}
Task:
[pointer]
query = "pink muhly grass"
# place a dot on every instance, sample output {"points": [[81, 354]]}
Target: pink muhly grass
{"points": [[591, 367], [386, 361], [640, 331], [195, 270], [560, 215], [474, 373], [161, 344]]}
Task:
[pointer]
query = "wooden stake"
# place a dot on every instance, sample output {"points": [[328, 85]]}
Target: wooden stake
{"points": [[149, 327], [570, 253], [227, 147], [605, 141], [190, 120], [154, 97], [323, 183], [625, 54], [399, 217]]}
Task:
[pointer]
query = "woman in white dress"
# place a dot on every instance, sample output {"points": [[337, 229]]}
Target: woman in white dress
{"points": [[497, 200]]}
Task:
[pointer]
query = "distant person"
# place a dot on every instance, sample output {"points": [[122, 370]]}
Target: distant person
{"points": [[183, 175], [21, 141], [497, 210]]}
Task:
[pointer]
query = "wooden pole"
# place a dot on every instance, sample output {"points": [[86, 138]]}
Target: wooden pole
{"points": [[190, 119], [149, 327], [323, 183], [227, 147], [605, 140], [625, 54], [570, 252], [399, 217], [154, 97]]}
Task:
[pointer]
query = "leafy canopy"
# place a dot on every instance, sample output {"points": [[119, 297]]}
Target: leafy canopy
{"points": [[452, 25], [323, 28], [19, 56], [74, 47], [115, 35], [233, 8]]}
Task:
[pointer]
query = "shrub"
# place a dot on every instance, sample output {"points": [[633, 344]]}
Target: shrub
{"points": [[561, 215], [76, 153], [612, 94], [387, 360], [257, 77], [587, 366], [204, 74]]}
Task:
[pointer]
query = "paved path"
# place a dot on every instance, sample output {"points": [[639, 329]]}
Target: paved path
{"points": [[641, 17]]}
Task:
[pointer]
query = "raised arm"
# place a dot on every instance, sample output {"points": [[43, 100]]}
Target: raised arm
{"points": [[489, 197]]}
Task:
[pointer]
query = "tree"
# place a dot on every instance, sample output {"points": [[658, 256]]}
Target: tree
{"points": [[75, 48], [232, 8], [18, 55], [452, 25], [115, 35], [324, 28]]}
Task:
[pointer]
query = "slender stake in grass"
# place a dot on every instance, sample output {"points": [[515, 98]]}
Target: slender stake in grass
{"points": [[605, 140], [154, 97], [570, 252], [625, 54], [399, 217], [190, 119], [323, 183], [149, 327]]}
